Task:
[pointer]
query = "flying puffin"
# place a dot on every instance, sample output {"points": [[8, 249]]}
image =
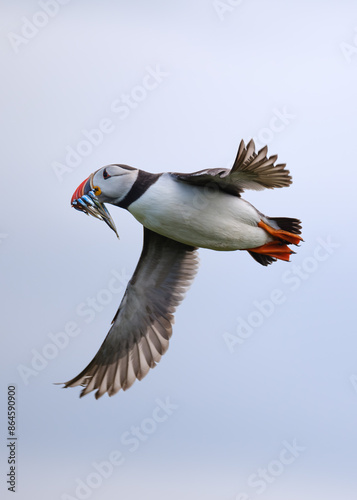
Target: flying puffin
{"points": [[180, 212]]}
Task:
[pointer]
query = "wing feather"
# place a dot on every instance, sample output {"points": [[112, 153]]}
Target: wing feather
{"points": [[250, 170], [142, 326]]}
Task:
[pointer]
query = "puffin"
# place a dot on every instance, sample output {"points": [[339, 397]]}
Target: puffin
{"points": [[180, 212]]}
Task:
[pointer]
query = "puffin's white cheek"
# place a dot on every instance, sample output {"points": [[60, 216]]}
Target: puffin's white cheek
{"points": [[117, 187]]}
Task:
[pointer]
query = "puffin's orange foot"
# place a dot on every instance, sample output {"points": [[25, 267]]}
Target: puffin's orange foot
{"points": [[280, 234], [274, 249]]}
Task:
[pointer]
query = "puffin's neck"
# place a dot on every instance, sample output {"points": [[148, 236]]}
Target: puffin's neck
{"points": [[143, 181]]}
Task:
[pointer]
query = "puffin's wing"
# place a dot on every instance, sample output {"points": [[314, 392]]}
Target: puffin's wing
{"points": [[142, 326], [250, 170]]}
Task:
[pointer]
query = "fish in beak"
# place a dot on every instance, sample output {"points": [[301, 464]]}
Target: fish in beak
{"points": [[85, 199]]}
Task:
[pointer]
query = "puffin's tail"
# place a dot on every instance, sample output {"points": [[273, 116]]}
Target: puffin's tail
{"points": [[284, 230]]}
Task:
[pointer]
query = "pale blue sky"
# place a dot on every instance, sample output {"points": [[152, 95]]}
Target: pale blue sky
{"points": [[176, 86]]}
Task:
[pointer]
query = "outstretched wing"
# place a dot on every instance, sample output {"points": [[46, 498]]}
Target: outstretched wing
{"points": [[141, 328], [250, 170]]}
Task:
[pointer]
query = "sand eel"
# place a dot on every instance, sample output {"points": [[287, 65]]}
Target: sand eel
{"points": [[180, 213]]}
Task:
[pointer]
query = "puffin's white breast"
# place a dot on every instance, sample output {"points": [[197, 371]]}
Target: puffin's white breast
{"points": [[199, 216]]}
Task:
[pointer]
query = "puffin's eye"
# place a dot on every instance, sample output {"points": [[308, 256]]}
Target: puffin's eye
{"points": [[105, 174]]}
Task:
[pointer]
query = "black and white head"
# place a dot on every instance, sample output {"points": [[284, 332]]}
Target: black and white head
{"points": [[109, 184]]}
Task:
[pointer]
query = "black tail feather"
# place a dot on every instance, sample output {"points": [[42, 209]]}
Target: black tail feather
{"points": [[264, 260], [288, 224]]}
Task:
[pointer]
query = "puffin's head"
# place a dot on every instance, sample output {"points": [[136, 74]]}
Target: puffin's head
{"points": [[109, 184]]}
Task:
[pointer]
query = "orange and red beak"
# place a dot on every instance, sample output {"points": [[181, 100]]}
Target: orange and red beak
{"points": [[82, 189], [85, 199]]}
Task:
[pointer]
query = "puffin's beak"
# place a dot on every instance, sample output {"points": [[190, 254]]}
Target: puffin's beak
{"points": [[84, 199]]}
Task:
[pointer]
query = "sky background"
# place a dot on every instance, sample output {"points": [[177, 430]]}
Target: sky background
{"points": [[197, 77]]}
